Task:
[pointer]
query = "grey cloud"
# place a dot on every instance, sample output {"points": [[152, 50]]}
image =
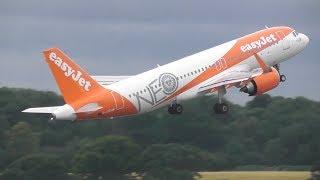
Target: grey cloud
{"points": [[128, 37]]}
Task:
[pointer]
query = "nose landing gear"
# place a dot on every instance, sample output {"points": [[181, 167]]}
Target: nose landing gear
{"points": [[175, 108], [283, 78]]}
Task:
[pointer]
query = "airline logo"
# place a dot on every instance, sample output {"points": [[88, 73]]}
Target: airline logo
{"points": [[259, 43], [69, 72]]}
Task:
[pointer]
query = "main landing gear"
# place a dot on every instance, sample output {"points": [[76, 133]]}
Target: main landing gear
{"points": [[220, 107], [283, 78], [175, 108]]}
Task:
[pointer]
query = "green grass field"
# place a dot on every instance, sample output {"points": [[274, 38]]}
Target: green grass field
{"points": [[256, 175]]}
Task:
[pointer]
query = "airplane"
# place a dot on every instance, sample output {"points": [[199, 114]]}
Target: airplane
{"points": [[250, 63]]}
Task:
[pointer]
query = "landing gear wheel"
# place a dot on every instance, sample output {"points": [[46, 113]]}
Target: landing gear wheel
{"points": [[170, 110], [283, 78], [221, 108], [175, 109], [178, 109]]}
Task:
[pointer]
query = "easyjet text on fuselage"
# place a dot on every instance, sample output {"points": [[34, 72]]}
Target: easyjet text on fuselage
{"points": [[259, 43]]}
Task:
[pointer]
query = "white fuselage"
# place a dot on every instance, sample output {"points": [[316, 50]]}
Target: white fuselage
{"points": [[243, 63], [146, 90]]}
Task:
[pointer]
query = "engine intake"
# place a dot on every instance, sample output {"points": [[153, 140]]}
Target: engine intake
{"points": [[262, 83]]}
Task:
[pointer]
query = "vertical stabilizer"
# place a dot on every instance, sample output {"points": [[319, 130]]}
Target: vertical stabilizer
{"points": [[74, 82]]}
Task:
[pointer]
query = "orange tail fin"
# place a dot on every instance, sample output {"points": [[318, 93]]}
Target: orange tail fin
{"points": [[74, 83]]}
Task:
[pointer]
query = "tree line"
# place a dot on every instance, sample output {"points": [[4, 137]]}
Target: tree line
{"points": [[267, 131]]}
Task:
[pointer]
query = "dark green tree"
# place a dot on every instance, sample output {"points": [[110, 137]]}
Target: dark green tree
{"points": [[3, 158], [178, 160], [108, 156], [21, 141], [275, 152], [268, 130], [261, 101], [38, 166]]}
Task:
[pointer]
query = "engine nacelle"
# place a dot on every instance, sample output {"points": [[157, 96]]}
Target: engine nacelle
{"points": [[262, 83], [65, 112]]}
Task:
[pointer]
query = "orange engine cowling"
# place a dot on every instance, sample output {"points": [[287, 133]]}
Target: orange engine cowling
{"points": [[262, 83]]}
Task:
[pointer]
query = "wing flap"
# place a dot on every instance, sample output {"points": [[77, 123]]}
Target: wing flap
{"points": [[230, 77]]}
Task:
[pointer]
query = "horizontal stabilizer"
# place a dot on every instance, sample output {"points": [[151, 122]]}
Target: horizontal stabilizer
{"points": [[44, 110]]}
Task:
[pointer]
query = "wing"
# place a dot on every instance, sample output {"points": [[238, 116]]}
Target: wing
{"points": [[107, 80], [228, 78], [235, 76]]}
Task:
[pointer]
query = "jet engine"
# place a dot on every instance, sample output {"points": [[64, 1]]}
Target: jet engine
{"points": [[262, 83], [64, 112]]}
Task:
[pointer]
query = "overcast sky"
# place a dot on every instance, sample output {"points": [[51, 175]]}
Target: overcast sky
{"points": [[128, 37]]}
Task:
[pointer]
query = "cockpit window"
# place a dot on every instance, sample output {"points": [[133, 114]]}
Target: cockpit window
{"points": [[294, 34]]}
